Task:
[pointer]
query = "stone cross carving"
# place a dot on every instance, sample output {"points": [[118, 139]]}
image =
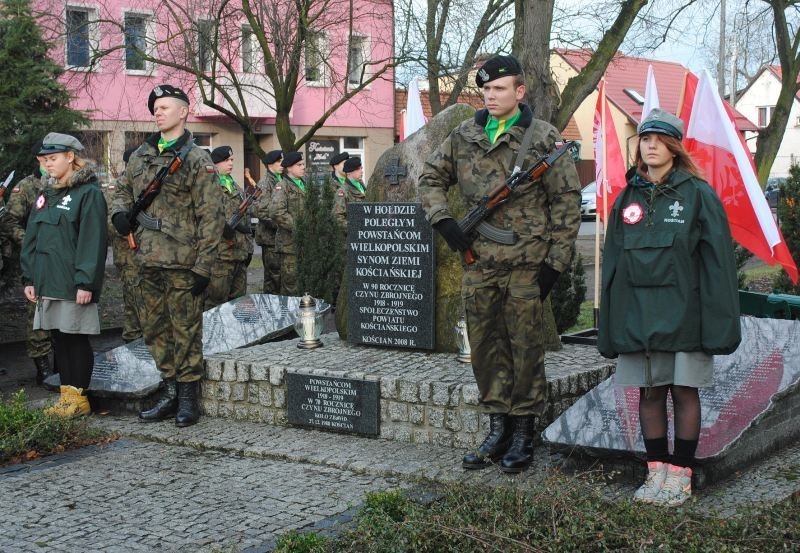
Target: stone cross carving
{"points": [[394, 171]]}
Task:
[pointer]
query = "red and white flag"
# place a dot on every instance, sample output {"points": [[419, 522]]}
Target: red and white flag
{"points": [[414, 116], [608, 161], [718, 151], [650, 94]]}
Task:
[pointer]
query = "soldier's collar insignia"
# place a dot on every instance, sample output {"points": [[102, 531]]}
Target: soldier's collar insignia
{"points": [[632, 214]]}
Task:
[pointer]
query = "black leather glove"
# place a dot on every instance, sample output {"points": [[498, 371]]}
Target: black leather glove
{"points": [[120, 222], [200, 284], [547, 279], [244, 225], [228, 232], [453, 235]]}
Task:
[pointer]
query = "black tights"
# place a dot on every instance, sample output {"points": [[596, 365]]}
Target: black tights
{"points": [[653, 420], [74, 357]]}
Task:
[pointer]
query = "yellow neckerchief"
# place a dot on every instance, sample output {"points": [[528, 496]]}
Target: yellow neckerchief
{"points": [[164, 144], [495, 127], [300, 184], [228, 183]]}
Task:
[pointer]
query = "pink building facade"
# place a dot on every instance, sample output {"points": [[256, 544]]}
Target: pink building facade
{"points": [[196, 44]]}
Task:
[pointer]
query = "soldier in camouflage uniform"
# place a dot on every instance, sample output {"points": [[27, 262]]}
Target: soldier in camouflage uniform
{"points": [[351, 190], [337, 177], [229, 274], [265, 232], [504, 289], [177, 239], [19, 207], [286, 205]]}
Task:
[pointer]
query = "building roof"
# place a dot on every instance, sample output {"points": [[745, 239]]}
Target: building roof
{"points": [[474, 100], [630, 73]]}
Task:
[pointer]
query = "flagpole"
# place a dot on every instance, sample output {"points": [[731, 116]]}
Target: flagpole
{"points": [[603, 173]]}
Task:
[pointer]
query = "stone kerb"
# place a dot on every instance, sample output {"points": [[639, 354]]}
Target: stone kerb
{"points": [[425, 398]]}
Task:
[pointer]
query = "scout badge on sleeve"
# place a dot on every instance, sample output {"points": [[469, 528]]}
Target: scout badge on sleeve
{"points": [[632, 214]]}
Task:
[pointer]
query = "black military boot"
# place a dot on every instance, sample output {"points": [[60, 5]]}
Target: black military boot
{"points": [[188, 404], [166, 406], [43, 370], [494, 446], [520, 455]]}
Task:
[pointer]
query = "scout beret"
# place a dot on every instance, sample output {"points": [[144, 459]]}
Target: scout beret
{"points": [[338, 158], [126, 155], [165, 91], [291, 158], [662, 122], [56, 142], [352, 164], [221, 153], [496, 67], [272, 157]]}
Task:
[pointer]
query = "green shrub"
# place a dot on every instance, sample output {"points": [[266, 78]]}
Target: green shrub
{"points": [[788, 206], [295, 542]]}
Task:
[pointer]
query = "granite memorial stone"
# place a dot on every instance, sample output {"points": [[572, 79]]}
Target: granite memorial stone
{"points": [[390, 275], [130, 370], [337, 404], [753, 406]]}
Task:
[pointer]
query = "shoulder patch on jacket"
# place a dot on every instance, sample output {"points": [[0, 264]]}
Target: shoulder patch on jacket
{"points": [[278, 187], [340, 193], [211, 169]]}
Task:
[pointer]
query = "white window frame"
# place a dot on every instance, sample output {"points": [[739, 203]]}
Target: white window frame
{"points": [[94, 35], [366, 50], [323, 67], [253, 43], [770, 111], [150, 40], [213, 23]]}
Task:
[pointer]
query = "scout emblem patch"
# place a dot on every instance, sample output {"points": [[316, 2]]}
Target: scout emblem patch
{"points": [[632, 214], [40, 201]]}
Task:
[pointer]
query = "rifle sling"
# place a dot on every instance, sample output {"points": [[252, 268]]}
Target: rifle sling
{"points": [[143, 218]]}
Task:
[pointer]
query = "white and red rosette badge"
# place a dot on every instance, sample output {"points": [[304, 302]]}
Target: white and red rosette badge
{"points": [[632, 214]]}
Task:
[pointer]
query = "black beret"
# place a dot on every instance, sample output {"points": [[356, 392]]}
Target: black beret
{"points": [[37, 147], [221, 153], [352, 164], [126, 155], [291, 158], [496, 67], [165, 91], [272, 157], [338, 158]]}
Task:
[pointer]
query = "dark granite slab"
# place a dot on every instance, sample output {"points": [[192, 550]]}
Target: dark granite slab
{"points": [[336, 404], [130, 371], [753, 406]]}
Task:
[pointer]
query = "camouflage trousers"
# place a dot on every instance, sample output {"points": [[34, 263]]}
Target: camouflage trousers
{"points": [[504, 322], [172, 322], [131, 329], [228, 281], [272, 269], [289, 275], [38, 341]]}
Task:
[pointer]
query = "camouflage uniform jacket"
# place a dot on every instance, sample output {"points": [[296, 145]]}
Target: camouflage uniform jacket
{"points": [[265, 232], [20, 204], [347, 193], [241, 246], [286, 205], [123, 254], [545, 213], [190, 206]]}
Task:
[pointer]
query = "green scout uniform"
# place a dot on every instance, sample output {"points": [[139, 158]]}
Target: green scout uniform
{"points": [[669, 274], [229, 274], [265, 235], [500, 291], [128, 273], [286, 205], [350, 190], [190, 208], [18, 210]]}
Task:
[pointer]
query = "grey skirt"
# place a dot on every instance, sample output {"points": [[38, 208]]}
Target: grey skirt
{"points": [[66, 316], [694, 369]]}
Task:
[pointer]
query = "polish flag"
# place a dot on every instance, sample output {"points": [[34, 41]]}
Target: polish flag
{"points": [[608, 161], [650, 94], [719, 152]]}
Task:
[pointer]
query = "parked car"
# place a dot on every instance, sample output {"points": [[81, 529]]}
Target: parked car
{"points": [[773, 189], [589, 201]]}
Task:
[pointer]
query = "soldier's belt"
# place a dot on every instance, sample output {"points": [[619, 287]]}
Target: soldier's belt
{"points": [[501, 236], [148, 222]]}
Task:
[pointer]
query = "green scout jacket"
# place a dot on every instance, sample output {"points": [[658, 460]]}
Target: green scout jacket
{"points": [[190, 207], [65, 240], [265, 232], [669, 274], [545, 213], [286, 205], [241, 246], [346, 193]]}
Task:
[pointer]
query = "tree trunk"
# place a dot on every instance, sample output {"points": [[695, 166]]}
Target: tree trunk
{"points": [[532, 49], [770, 138]]}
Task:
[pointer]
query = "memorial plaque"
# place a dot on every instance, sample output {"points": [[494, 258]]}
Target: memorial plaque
{"points": [[391, 275], [130, 370], [318, 157], [749, 407], [337, 404]]}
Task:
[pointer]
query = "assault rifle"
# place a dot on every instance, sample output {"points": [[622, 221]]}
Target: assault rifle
{"points": [[5, 188], [475, 220], [252, 193], [146, 197]]}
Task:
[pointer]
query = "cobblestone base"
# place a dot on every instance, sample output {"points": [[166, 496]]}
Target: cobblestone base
{"points": [[425, 398]]}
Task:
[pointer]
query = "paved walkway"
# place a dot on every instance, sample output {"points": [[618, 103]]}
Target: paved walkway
{"points": [[235, 486]]}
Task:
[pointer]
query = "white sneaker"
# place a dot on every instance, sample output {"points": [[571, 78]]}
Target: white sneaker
{"points": [[677, 487], [656, 474]]}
